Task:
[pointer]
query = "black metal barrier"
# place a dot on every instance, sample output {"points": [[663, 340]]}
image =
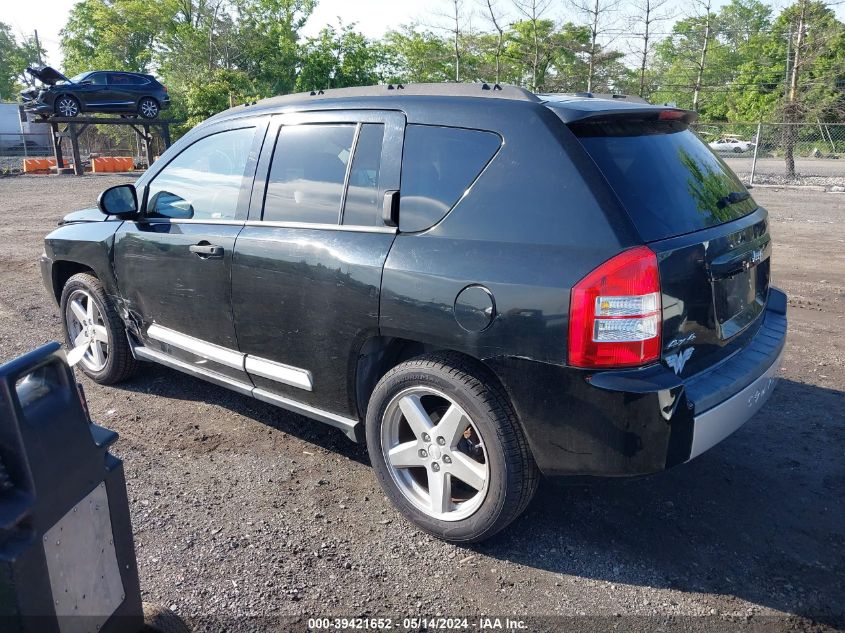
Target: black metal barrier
{"points": [[67, 559]]}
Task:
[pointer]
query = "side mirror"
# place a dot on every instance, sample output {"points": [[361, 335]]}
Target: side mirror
{"points": [[121, 200]]}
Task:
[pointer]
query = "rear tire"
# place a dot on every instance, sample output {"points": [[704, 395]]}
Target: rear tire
{"points": [[148, 108], [86, 308], [447, 448]]}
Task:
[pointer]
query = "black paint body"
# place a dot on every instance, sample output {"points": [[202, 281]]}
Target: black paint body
{"points": [[490, 280]]}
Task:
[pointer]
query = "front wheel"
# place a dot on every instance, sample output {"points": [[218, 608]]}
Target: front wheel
{"points": [[67, 106], [148, 108], [447, 448], [93, 325]]}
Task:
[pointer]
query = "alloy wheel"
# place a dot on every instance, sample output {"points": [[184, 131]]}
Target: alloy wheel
{"points": [[87, 328], [435, 454], [149, 108], [68, 107]]}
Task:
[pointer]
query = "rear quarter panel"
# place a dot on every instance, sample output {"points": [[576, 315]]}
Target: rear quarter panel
{"points": [[537, 219]]}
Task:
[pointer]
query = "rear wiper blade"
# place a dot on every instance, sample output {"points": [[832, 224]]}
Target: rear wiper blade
{"points": [[732, 198]]}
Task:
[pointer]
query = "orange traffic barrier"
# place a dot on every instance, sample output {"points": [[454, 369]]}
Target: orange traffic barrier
{"points": [[101, 164], [31, 165], [105, 164], [36, 164]]}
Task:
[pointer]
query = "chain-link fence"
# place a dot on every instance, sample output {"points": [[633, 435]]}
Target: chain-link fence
{"points": [[112, 140], [779, 153]]}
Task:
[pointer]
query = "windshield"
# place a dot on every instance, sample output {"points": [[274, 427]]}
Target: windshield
{"points": [[75, 79], [666, 177]]}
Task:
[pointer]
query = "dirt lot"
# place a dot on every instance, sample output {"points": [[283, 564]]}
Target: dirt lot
{"points": [[241, 509]]}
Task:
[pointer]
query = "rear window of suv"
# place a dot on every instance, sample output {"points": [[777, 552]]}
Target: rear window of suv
{"points": [[666, 177]]}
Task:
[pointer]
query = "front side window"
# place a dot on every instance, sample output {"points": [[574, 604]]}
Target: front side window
{"points": [[98, 79], [438, 165], [204, 181], [307, 173]]}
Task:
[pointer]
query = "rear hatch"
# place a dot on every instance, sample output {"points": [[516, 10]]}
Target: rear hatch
{"points": [[711, 239]]}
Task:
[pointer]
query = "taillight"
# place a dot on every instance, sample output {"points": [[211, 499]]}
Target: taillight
{"points": [[615, 314]]}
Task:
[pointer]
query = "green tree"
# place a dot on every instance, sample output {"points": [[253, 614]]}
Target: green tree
{"points": [[14, 58], [221, 90], [418, 56], [267, 36], [339, 58], [113, 34]]}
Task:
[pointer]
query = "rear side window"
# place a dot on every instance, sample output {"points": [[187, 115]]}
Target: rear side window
{"points": [[306, 177], [666, 177], [119, 79], [438, 165], [364, 193]]}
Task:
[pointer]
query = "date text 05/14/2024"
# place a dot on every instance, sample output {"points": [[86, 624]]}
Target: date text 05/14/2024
{"points": [[482, 624]]}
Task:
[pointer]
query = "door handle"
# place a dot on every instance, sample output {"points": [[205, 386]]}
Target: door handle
{"points": [[390, 208], [204, 250]]}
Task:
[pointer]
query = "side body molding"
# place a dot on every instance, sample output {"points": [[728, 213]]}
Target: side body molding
{"points": [[251, 364]]}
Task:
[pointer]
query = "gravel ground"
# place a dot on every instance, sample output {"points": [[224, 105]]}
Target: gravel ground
{"points": [[240, 509]]}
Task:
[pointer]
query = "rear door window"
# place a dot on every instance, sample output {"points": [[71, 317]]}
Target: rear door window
{"points": [[438, 165], [307, 174], [365, 191], [666, 177]]}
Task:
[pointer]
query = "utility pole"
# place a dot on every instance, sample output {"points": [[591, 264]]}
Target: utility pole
{"points": [[38, 48], [791, 107], [788, 56], [594, 27], [799, 45], [700, 75], [647, 24]]}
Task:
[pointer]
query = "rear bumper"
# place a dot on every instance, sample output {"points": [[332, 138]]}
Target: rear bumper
{"points": [[715, 424], [635, 422]]}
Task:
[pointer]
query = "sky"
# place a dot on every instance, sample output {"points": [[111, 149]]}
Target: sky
{"points": [[373, 17]]}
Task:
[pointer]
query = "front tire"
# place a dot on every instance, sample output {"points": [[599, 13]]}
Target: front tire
{"points": [[90, 319], [67, 106], [447, 448], [148, 108]]}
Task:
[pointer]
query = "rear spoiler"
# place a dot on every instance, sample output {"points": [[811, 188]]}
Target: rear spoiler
{"points": [[632, 113]]}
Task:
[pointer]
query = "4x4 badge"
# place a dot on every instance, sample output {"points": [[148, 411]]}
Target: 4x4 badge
{"points": [[677, 361]]}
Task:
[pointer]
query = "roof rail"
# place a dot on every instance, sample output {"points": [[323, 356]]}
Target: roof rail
{"points": [[496, 91]]}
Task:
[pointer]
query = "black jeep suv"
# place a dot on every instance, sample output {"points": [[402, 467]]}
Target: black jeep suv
{"points": [[95, 91], [481, 283]]}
